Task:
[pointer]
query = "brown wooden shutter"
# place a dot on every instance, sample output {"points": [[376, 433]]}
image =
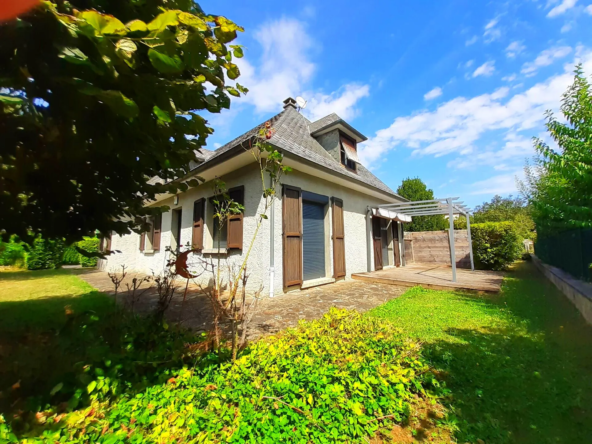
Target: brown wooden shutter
{"points": [[108, 241], [338, 239], [292, 227], [142, 241], [234, 237], [198, 224], [156, 231]]}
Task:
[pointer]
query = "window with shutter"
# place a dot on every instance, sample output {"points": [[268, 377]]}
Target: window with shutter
{"points": [[142, 241], [156, 230], [234, 238], [338, 239], [198, 224], [108, 242], [292, 235]]}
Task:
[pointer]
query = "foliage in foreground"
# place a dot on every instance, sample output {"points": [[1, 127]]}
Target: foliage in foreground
{"points": [[116, 88], [337, 379], [559, 186], [517, 364], [496, 245]]}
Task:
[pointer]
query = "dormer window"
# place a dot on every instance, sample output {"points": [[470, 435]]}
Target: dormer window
{"points": [[349, 153]]}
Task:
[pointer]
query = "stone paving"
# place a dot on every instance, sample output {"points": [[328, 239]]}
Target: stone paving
{"points": [[271, 314]]}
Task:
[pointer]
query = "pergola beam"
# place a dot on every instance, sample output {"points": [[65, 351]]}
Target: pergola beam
{"points": [[416, 202]]}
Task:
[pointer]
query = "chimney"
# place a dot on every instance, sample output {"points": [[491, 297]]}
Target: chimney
{"points": [[290, 102]]}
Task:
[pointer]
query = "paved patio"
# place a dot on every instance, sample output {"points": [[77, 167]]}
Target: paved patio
{"points": [[271, 315]]}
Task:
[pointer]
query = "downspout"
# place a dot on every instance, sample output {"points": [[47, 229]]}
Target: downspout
{"points": [[272, 247], [369, 244]]}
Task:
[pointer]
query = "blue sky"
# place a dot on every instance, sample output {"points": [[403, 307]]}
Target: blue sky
{"points": [[449, 91]]}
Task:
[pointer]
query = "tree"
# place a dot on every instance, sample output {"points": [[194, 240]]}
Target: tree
{"points": [[507, 209], [95, 102], [414, 190], [559, 185]]}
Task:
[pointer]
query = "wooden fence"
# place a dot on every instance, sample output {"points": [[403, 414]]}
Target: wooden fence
{"points": [[434, 247]]}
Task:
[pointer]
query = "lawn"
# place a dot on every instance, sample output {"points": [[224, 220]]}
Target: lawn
{"points": [[513, 368], [518, 365]]}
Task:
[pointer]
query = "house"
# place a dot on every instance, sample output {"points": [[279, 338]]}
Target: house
{"points": [[326, 225]]}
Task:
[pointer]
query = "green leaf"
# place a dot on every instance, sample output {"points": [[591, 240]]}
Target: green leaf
{"points": [[237, 50], [161, 114], [11, 100], [193, 21], [90, 388], [119, 103], [56, 389], [167, 18], [125, 48], [164, 63], [232, 91], [103, 23], [212, 100], [137, 26], [195, 51], [232, 70], [74, 55]]}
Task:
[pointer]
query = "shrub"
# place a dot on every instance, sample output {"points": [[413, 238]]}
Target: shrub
{"points": [[45, 254], [91, 245], [337, 379], [496, 245], [12, 253], [71, 256]]}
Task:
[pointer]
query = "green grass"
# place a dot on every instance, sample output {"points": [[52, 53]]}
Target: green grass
{"points": [[518, 365]]}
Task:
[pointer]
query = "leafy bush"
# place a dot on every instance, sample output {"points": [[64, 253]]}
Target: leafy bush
{"points": [[337, 379], [12, 253], [496, 245], [71, 256], [45, 254], [90, 244]]}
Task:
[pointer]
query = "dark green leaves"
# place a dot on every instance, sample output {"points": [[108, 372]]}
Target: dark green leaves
{"points": [[232, 70], [165, 63], [195, 52], [162, 115], [119, 103]]}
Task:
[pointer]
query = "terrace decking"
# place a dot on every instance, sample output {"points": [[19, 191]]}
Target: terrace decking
{"points": [[438, 277]]}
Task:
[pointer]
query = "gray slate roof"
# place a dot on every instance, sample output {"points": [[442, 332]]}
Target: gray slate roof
{"points": [[293, 136]]}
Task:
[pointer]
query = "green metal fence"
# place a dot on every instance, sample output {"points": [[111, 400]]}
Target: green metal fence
{"points": [[569, 250]]}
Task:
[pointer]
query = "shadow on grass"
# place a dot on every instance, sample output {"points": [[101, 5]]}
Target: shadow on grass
{"points": [[52, 348], [526, 381]]}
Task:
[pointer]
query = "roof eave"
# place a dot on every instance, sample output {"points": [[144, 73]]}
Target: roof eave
{"points": [[358, 136]]}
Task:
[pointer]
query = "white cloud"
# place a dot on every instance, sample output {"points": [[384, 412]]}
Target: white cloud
{"points": [[341, 102], [545, 58], [562, 7], [462, 126], [588, 9], [491, 31], [284, 67], [510, 78], [471, 41], [486, 69], [501, 184], [436, 92], [566, 28], [514, 49], [469, 63]]}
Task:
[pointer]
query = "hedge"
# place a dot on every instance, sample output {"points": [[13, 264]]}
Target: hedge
{"points": [[12, 253], [91, 245], [45, 254], [71, 255], [496, 245]]}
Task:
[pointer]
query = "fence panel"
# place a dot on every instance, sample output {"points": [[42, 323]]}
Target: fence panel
{"points": [[570, 251]]}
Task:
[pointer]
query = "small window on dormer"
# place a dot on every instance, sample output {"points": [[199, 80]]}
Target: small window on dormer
{"points": [[349, 153]]}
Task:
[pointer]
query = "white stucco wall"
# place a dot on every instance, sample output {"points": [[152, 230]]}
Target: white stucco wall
{"points": [[356, 235]]}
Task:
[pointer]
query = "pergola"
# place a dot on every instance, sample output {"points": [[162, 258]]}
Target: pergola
{"points": [[447, 206]]}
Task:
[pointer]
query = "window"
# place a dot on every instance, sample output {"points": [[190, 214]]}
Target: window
{"points": [[220, 236], [349, 153], [231, 234], [150, 240]]}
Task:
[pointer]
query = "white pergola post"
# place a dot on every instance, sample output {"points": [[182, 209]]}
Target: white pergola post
{"points": [[451, 234], [470, 241]]}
